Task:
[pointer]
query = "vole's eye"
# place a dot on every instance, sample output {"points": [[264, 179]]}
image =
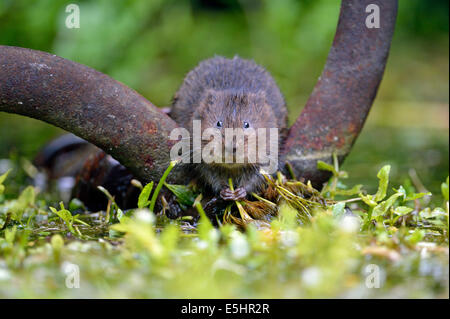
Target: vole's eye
{"points": [[246, 125], [219, 124]]}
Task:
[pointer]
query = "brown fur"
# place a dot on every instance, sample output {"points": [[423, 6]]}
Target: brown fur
{"points": [[232, 91]]}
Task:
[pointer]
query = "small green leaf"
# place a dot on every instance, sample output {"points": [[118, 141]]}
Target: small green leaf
{"points": [[287, 216], [383, 207], [26, 198], [410, 195], [368, 199], [120, 214], [349, 192], [75, 204], [160, 184], [10, 234], [402, 191], [326, 167], [428, 213], [444, 189], [184, 194], [66, 216], [383, 176], [3, 176], [415, 196], [79, 221], [402, 210], [144, 195], [416, 236], [204, 227]]}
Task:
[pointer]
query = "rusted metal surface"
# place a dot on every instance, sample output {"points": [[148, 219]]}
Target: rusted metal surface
{"points": [[89, 104], [100, 169], [340, 102]]}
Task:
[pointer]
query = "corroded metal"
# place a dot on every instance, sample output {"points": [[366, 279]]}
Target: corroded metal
{"points": [[340, 102], [100, 169], [89, 104]]}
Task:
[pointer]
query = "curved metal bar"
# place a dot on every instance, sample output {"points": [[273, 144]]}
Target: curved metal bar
{"points": [[340, 102], [89, 104]]}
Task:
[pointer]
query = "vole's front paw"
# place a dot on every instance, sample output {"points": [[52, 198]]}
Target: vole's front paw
{"points": [[238, 194]]}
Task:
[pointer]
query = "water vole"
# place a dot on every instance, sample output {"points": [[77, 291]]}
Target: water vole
{"points": [[229, 93]]}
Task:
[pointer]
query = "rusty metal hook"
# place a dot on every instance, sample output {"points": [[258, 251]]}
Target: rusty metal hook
{"points": [[341, 100]]}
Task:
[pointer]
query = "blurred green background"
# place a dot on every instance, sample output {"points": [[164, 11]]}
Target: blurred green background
{"points": [[151, 45]]}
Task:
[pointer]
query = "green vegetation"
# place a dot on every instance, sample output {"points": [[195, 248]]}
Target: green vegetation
{"points": [[311, 246], [295, 243]]}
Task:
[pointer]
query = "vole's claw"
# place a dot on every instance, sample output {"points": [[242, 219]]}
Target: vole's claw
{"points": [[229, 195], [226, 194], [240, 193]]}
